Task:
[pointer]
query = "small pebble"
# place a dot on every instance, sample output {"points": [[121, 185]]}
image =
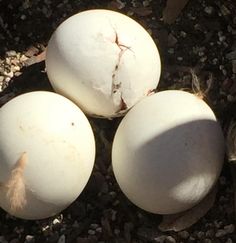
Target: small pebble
{"points": [[91, 232], [184, 234], [15, 69], [201, 53], [183, 34], [171, 50], [222, 38], [170, 239], [56, 221], [116, 231], [231, 55], [112, 194], [229, 240], [220, 233], [229, 228], [203, 59], [9, 74], [17, 74], [191, 238], [215, 61], [113, 215], [7, 79], [11, 53], [146, 3], [29, 238], [160, 239], [117, 202], [230, 98], [99, 229], [23, 17], [209, 10], [200, 235], [8, 60], [94, 226]]}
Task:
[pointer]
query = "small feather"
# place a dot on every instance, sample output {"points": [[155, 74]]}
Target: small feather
{"points": [[16, 191]]}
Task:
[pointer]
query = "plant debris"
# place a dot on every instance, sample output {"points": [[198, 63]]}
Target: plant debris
{"points": [[181, 221], [173, 9]]}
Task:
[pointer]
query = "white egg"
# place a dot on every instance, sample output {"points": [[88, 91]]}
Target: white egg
{"points": [[168, 152], [104, 61], [47, 152]]}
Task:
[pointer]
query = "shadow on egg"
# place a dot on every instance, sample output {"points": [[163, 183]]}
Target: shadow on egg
{"points": [[172, 171]]}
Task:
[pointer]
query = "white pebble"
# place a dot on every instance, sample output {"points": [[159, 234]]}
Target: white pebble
{"points": [[99, 229], [23, 17], [220, 233], [116, 231], [170, 239], [28, 238], [229, 228], [184, 234], [56, 221], [222, 38], [91, 232], [209, 10], [94, 226], [229, 240], [183, 34], [160, 239]]}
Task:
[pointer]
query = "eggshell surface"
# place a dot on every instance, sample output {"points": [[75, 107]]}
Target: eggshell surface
{"points": [[59, 143], [168, 152], [104, 61]]}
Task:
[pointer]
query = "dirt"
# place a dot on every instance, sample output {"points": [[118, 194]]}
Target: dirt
{"points": [[198, 53]]}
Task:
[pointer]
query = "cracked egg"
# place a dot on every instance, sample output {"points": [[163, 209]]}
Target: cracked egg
{"points": [[104, 61], [168, 152], [47, 152]]}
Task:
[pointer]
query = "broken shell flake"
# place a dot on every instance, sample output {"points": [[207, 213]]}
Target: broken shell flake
{"points": [[168, 152], [47, 153], [104, 61]]}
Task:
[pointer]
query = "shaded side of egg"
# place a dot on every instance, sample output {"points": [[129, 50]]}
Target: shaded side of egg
{"points": [[168, 152]]}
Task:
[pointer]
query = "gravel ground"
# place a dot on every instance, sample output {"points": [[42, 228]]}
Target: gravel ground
{"points": [[198, 53]]}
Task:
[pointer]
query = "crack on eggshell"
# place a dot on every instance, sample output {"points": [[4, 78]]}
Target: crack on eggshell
{"points": [[117, 86], [151, 92], [123, 105], [15, 185]]}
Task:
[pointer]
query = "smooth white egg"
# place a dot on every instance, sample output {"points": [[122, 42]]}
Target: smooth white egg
{"points": [[168, 152], [47, 152], [104, 61]]}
